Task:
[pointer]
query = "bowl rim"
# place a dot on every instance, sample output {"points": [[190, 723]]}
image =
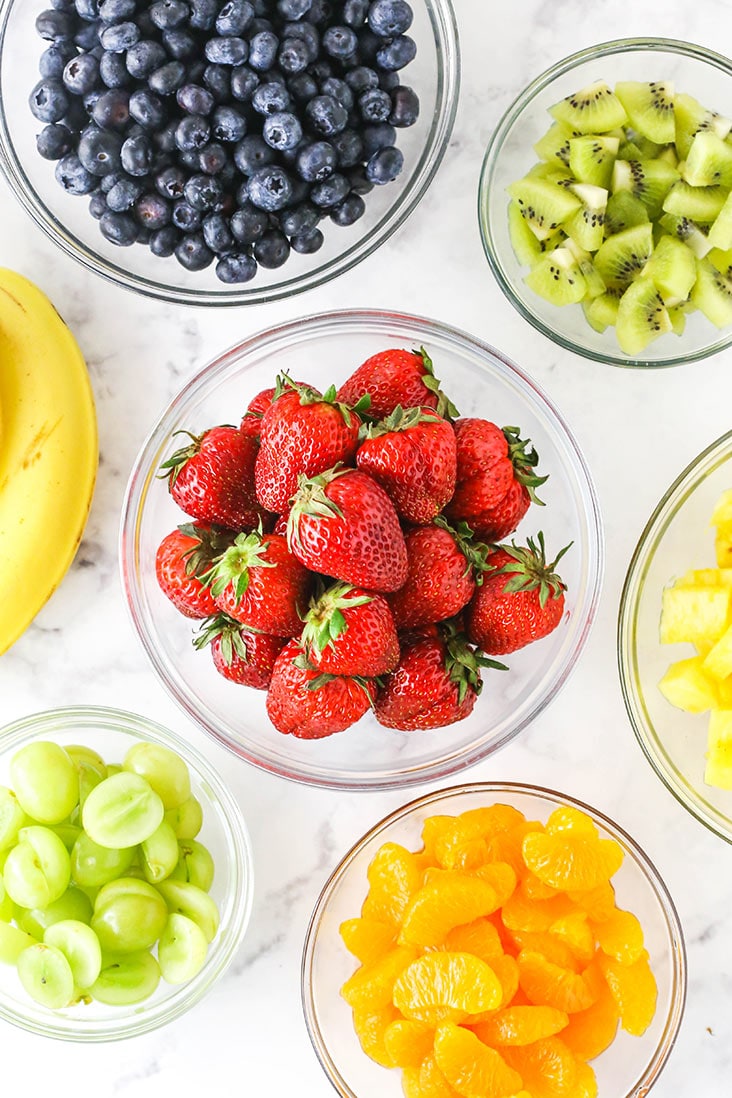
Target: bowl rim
{"points": [[443, 22], [141, 476], [68, 719], [653, 532], [492, 788], [490, 160]]}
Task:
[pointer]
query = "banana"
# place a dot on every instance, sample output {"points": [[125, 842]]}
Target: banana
{"points": [[48, 452]]}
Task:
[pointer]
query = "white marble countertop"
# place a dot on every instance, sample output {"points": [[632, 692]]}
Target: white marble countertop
{"points": [[638, 430]]}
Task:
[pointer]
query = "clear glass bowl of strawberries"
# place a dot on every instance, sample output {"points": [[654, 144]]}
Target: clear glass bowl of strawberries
{"points": [[361, 550]]}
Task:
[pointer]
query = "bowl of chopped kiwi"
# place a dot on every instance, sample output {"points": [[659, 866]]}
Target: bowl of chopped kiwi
{"points": [[605, 202]]}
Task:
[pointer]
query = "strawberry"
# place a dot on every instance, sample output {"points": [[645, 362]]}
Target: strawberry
{"points": [[252, 419], [436, 682], [182, 556], [413, 456], [496, 481], [244, 656], [259, 583], [444, 565], [343, 524], [304, 702], [520, 601], [349, 631], [395, 377], [212, 478], [302, 432]]}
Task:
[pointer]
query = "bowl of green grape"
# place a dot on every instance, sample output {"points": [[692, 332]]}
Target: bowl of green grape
{"points": [[125, 874]]}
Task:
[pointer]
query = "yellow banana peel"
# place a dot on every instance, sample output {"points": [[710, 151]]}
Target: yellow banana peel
{"points": [[48, 452]]}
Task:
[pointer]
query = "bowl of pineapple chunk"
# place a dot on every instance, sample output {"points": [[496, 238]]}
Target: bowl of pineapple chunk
{"points": [[675, 638]]}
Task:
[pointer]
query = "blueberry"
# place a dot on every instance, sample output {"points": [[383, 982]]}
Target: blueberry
{"points": [[397, 53], [269, 188], [53, 24], [180, 43], [369, 45], [326, 115], [330, 192], [294, 9], [170, 181], [404, 107], [164, 138], [361, 78], [87, 36], [113, 70], [282, 130], [63, 5], [153, 211], [355, 12], [49, 101], [379, 136], [237, 267], [375, 105], [227, 51], [243, 83], [263, 51], [192, 132], [271, 98], [302, 87], [54, 141], [339, 90], [185, 217], [120, 37], [212, 159], [308, 242], [81, 74], [144, 57], [228, 124], [299, 219], [321, 71], [348, 147], [217, 79], [203, 13], [169, 14], [53, 61], [316, 162], [272, 250], [293, 56], [259, 26], [349, 211], [192, 253], [99, 150], [251, 153], [97, 204], [123, 195], [304, 32], [168, 78], [108, 181], [137, 155], [118, 228], [202, 192], [357, 178], [87, 9], [73, 176], [248, 224], [320, 11], [112, 109], [234, 17], [147, 109], [163, 241], [389, 18], [385, 165], [117, 11], [340, 42], [195, 99], [217, 234]]}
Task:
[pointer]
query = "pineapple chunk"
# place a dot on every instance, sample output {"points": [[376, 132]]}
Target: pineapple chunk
{"points": [[718, 770], [723, 545], [722, 513], [724, 692], [694, 614], [718, 661], [687, 686], [706, 577]]}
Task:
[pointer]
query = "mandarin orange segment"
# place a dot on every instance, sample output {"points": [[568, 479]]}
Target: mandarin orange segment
{"points": [[501, 876], [394, 876], [591, 1031], [518, 913], [507, 846], [534, 889], [569, 818], [548, 945], [547, 1067], [585, 1083], [446, 986], [634, 989], [521, 1025], [575, 932], [547, 984], [507, 971], [371, 986], [407, 1041], [432, 1082], [367, 939], [446, 901], [571, 859], [432, 828], [621, 937], [471, 1067], [370, 1026], [598, 903], [479, 937], [470, 828]]}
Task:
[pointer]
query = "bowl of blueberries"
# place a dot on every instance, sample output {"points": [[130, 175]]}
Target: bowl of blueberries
{"points": [[224, 151]]}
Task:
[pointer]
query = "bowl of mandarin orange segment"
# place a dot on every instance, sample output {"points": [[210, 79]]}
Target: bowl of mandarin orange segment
{"points": [[494, 940]]}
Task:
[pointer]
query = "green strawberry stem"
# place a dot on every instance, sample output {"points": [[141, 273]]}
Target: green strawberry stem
{"points": [[309, 395], [232, 567], [463, 662], [445, 406], [170, 469], [529, 569], [224, 627], [475, 552], [325, 622], [211, 542], [524, 459], [310, 499], [401, 419]]}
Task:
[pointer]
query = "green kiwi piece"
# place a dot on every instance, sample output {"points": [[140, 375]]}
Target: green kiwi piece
{"points": [[557, 278], [591, 159], [623, 211], [650, 108], [594, 109], [602, 311], [554, 145], [648, 180], [543, 204], [669, 154], [628, 150], [594, 284], [672, 270], [691, 118], [709, 161], [687, 230], [697, 203], [722, 260], [720, 234], [677, 316], [527, 249], [586, 225], [623, 256], [712, 294], [642, 317]]}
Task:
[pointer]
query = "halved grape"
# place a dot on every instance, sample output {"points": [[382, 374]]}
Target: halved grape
{"points": [[129, 915], [46, 975], [12, 818], [12, 943], [187, 899], [38, 870], [195, 865], [93, 865], [80, 946], [126, 979], [182, 949], [122, 811], [164, 771], [7, 907], [45, 781], [90, 766], [74, 904], [159, 854], [187, 819]]}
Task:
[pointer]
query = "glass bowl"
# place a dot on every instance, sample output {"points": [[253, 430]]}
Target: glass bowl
{"points": [[324, 349], [627, 1069], [435, 74], [695, 70], [677, 537], [112, 732]]}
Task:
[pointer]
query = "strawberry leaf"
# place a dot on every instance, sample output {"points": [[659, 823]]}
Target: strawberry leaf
{"points": [[524, 459]]}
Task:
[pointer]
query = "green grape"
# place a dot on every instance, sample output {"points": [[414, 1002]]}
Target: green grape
{"points": [[80, 946], [129, 915], [165, 771], [93, 865], [159, 854], [68, 833], [7, 907], [187, 819], [74, 904], [182, 949], [46, 975], [113, 768], [38, 869], [126, 979], [91, 769], [12, 818], [45, 781], [122, 811], [187, 899], [195, 865], [13, 942]]}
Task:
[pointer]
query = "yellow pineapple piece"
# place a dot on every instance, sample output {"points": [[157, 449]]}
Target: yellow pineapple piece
{"points": [[722, 513], [723, 545], [694, 614], [706, 577], [687, 686], [718, 661], [718, 770], [724, 693]]}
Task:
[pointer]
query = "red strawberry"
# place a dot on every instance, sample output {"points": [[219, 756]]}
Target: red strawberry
{"points": [[435, 684], [280, 526], [182, 557], [413, 456], [443, 565], [212, 478], [349, 631], [302, 433], [496, 481], [396, 377], [306, 703], [252, 419], [259, 583], [520, 601], [244, 656], [344, 525]]}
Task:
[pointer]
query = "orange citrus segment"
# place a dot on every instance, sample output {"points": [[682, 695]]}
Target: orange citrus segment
{"points": [[394, 876], [548, 945], [445, 902], [591, 1031], [446, 986], [569, 818], [575, 932], [634, 990], [518, 913], [506, 846], [549, 985], [521, 1025], [621, 937], [367, 939], [501, 876], [432, 828], [471, 1067], [454, 846], [371, 986], [585, 1083], [534, 889], [547, 1067], [432, 1082], [597, 903], [370, 1026], [407, 1042], [479, 937], [571, 859]]}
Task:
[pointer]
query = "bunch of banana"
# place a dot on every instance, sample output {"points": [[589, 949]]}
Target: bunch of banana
{"points": [[48, 452]]}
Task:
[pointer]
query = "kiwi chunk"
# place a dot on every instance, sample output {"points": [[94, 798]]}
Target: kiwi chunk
{"points": [[672, 270], [650, 108], [642, 317], [602, 311], [702, 204], [527, 248], [623, 256], [586, 225], [554, 145], [594, 109], [720, 234], [591, 159], [688, 231], [709, 161], [648, 180], [594, 284], [712, 294], [557, 278], [543, 204], [623, 211], [677, 316], [722, 260], [691, 118]]}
